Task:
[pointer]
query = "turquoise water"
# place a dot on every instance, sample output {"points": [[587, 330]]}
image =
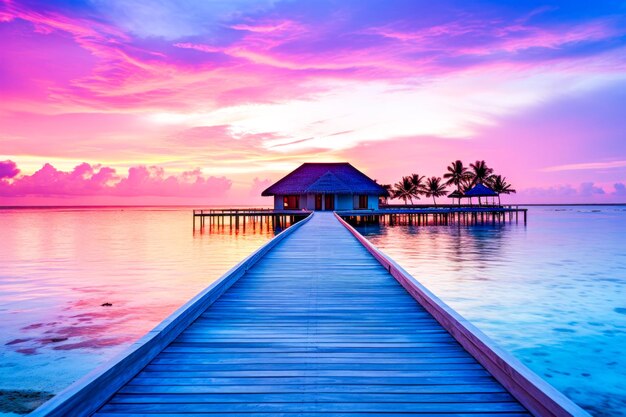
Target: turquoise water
{"points": [[78, 286], [552, 292]]}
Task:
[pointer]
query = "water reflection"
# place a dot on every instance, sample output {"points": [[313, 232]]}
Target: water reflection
{"points": [[78, 286], [480, 245]]}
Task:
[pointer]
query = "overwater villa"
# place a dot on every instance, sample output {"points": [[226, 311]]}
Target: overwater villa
{"points": [[326, 186], [340, 187]]}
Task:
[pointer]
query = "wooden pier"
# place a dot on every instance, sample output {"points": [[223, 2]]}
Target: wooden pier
{"points": [[471, 215], [317, 321], [232, 218]]}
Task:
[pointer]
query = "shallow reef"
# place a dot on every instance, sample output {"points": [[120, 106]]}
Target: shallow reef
{"points": [[22, 401]]}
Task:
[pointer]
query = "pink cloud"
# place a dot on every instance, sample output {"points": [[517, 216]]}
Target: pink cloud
{"points": [[83, 85], [284, 47], [589, 189], [95, 180], [264, 28], [619, 189], [222, 145], [479, 37], [227, 147], [123, 75], [8, 169], [153, 181], [126, 74], [259, 185], [426, 35], [198, 47], [587, 166], [83, 180], [270, 59], [519, 37], [585, 192]]}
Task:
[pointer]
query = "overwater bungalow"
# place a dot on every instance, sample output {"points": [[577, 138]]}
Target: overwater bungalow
{"points": [[479, 190], [326, 186], [456, 194], [342, 188]]}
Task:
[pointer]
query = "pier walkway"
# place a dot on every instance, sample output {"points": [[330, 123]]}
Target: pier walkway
{"points": [[318, 325]]}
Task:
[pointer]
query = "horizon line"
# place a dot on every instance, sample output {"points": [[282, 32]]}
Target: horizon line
{"points": [[262, 206]]}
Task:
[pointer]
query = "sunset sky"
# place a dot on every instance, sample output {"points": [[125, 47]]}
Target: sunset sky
{"points": [[208, 102]]}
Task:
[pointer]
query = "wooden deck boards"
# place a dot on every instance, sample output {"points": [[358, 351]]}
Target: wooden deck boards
{"points": [[316, 326]]}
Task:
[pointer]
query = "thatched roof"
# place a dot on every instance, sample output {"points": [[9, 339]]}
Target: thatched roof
{"points": [[328, 183], [336, 178], [480, 190], [456, 194]]}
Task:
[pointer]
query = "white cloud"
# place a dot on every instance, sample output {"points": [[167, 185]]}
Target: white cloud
{"points": [[346, 113]]}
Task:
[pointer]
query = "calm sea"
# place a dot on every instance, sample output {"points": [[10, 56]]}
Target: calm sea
{"points": [[552, 292], [61, 268]]}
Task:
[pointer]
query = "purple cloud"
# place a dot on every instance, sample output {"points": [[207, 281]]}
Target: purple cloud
{"points": [[588, 189], [95, 180], [8, 169], [619, 189], [258, 185]]}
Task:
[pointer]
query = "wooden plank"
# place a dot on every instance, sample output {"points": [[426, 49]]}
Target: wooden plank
{"points": [[198, 348], [292, 388], [239, 360], [313, 373], [358, 407], [301, 366], [299, 397], [313, 381], [300, 414], [532, 391], [455, 353]]}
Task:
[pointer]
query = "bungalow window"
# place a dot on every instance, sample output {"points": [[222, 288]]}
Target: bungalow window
{"points": [[291, 202], [362, 202]]}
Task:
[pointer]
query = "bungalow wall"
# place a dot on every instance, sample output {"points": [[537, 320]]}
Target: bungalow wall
{"points": [[342, 202], [372, 202], [278, 202], [306, 201], [310, 202]]}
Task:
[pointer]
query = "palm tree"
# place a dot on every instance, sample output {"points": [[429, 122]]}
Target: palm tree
{"points": [[389, 190], [481, 173], [434, 188], [457, 174], [404, 190], [500, 186], [418, 185], [466, 184]]}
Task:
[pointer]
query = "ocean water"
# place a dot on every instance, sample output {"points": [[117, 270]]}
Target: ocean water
{"points": [[61, 268], [552, 292]]}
